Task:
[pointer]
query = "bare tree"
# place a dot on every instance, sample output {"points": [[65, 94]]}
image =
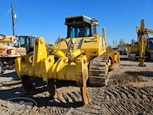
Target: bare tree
{"points": [[132, 41], [108, 46], [121, 42]]}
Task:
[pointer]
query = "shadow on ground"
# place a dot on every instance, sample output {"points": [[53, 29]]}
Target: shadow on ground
{"points": [[46, 101], [12, 74], [14, 89], [140, 73]]}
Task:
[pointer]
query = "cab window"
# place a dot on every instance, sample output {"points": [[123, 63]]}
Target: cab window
{"points": [[75, 32], [23, 42], [150, 44]]}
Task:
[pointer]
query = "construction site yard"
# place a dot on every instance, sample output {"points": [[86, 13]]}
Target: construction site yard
{"points": [[129, 92]]}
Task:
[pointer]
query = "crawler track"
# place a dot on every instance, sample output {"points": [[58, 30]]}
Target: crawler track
{"points": [[98, 70]]}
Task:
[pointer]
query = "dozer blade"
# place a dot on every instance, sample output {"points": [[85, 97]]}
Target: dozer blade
{"points": [[28, 86]]}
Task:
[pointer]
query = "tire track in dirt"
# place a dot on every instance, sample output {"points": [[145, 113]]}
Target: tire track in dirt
{"points": [[133, 103], [94, 107], [110, 100], [115, 99]]}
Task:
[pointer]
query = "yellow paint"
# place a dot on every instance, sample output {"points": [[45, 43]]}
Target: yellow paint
{"points": [[71, 65]]}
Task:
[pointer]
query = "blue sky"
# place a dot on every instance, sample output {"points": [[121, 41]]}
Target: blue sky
{"points": [[46, 17]]}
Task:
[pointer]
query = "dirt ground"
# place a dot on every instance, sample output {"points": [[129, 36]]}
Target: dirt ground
{"points": [[129, 92]]}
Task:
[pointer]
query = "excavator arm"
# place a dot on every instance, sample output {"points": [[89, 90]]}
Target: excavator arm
{"points": [[149, 31], [7, 39], [142, 33]]}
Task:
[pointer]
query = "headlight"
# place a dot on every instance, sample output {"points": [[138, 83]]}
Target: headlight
{"points": [[9, 51], [23, 59]]}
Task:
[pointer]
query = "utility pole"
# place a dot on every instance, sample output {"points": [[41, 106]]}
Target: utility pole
{"points": [[113, 43], [116, 43], [13, 18]]}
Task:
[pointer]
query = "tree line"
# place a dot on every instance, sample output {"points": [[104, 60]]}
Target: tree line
{"points": [[122, 43]]}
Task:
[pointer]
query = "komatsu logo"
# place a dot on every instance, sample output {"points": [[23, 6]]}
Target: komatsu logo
{"points": [[77, 43]]}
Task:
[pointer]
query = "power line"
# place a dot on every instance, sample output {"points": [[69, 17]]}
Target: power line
{"points": [[22, 9], [5, 15]]}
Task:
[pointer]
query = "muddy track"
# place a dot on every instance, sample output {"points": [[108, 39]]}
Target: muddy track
{"points": [[128, 100], [120, 97], [111, 100], [117, 100]]}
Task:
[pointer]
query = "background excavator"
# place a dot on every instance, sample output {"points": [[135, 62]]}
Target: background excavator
{"points": [[26, 42], [143, 48], [12, 47], [82, 57], [9, 53]]}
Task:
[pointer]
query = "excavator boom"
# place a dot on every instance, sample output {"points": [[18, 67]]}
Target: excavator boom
{"points": [[142, 33], [7, 39]]}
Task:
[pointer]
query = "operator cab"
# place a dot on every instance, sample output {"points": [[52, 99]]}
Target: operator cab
{"points": [[25, 41], [150, 44], [80, 26]]}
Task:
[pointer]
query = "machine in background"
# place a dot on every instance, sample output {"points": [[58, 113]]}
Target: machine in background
{"points": [[26, 42], [8, 53], [12, 47], [143, 48]]}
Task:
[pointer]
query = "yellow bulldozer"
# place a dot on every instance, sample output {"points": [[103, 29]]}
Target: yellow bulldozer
{"points": [[143, 48], [81, 56]]}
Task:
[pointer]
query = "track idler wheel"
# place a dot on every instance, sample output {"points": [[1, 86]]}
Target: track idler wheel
{"points": [[52, 89], [28, 86]]}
